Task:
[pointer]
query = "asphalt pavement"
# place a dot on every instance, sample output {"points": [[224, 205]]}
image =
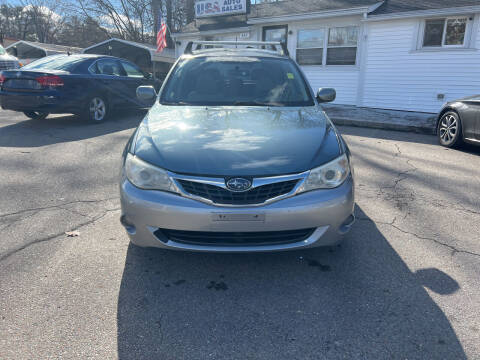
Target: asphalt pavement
{"points": [[403, 285]]}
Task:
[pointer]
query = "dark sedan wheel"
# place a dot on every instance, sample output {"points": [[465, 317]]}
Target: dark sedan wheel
{"points": [[36, 115], [97, 109], [449, 129]]}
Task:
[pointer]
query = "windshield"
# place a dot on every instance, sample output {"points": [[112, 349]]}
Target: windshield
{"points": [[2, 50], [56, 62], [236, 81]]}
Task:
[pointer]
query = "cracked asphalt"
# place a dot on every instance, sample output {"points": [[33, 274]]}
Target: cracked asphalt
{"points": [[403, 285]]}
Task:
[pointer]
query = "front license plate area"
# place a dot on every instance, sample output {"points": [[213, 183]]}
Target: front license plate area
{"points": [[238, 217]]}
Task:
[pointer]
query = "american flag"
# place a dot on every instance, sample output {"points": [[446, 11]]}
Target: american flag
{"points": [[162, 33]]}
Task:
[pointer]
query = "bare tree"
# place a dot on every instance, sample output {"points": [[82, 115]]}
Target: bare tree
{"points": [[85, 22], [45, 17], [130, 19]]}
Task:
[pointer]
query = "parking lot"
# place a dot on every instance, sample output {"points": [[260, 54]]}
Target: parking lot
{"points": [[403, 285]]}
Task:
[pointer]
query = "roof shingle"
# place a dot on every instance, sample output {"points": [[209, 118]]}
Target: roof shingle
{"points": [[295, 7], [305, 6], [397, 6]]}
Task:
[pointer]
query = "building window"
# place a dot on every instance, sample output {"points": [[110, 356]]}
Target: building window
{"points": [[275, 33], [340, 46], [310, 47], [445, 32]]}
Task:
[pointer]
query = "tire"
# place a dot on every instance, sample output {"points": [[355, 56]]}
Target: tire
{"points": [[449, 130], [36, 115], [96, 109]]}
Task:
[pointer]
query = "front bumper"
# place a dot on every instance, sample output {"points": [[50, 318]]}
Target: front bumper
{"points": [[329, 212]]}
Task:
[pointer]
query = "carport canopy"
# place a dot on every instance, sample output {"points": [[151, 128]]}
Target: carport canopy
{"points": [[141, 54], [34, 50]]}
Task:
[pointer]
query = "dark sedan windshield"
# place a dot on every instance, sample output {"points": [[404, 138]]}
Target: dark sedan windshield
{"points": [[217, 80]]}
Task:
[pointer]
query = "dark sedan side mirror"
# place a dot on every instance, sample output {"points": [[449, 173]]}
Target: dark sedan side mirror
{"points": [[326, 95], [146, 93], [148, 76]]}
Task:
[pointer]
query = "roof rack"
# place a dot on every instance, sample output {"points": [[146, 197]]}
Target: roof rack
{"points": [[277, 46]]}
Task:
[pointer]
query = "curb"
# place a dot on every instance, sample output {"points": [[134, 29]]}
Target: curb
{"points": [[422, 129]]}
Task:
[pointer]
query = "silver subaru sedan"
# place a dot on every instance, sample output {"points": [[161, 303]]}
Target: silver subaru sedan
{"points": [[236, 155]]}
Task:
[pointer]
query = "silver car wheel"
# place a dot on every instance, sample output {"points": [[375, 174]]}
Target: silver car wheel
{"points": [[98, 109], [448, 128]]}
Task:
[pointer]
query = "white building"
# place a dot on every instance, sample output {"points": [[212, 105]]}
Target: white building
{"points": [[395, 54]]}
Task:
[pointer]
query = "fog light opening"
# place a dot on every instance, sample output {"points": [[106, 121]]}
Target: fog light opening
{"points": [[127, 225], [347, 224]]}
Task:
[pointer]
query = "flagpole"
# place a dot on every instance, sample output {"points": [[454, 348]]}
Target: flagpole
{"points": [[170, 35]]}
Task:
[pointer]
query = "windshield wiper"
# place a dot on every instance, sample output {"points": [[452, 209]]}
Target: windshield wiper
{"points": [[256, 103]]}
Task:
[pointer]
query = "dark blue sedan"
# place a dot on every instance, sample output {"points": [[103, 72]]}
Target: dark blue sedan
{"points": [[91, 86]]}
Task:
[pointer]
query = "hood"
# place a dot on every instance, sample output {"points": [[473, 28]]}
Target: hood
{"points": [[236, 141]]}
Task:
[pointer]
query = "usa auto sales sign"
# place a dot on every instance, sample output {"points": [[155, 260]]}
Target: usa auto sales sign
{"points": [[206, 8]]}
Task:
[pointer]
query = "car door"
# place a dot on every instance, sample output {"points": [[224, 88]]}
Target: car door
{"points": [[110, 78], [476, 109], [471, 117], [135, 78]]}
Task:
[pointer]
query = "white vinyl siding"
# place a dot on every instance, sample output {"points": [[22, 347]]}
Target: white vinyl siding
{"points": [[398, 77], [343, 81], [343, 78]]}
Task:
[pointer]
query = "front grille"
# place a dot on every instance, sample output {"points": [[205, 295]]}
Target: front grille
{"points": [[7, 65], [234, 238], [218, 195]]}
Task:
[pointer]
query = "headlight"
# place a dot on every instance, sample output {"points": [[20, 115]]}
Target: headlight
{"points": [[146, 176], [328, 176]]}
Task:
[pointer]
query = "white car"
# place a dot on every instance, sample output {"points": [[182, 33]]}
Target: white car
{"points": [[7, 62]]}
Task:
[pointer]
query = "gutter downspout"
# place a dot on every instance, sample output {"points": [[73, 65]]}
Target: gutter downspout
{"points": [[363, 62]]}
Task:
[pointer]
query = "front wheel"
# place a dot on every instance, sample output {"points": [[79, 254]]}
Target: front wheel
{"points": [[36, 115], [449, 130], [96, 109]]}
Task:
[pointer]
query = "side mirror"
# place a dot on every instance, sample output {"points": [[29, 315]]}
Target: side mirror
{"points": [[148, 76], [326, 95], [146, 93]]}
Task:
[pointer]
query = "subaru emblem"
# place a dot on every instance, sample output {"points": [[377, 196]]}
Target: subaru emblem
{"points": [[238, 184]]}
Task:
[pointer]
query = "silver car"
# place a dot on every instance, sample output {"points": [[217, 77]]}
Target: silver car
{"points": [[236, 155]]}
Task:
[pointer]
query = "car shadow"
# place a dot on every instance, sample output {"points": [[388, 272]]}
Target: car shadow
{"points": [[63, 128], [404, 137], [359, 300], [469, 148], [388, 134]]}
